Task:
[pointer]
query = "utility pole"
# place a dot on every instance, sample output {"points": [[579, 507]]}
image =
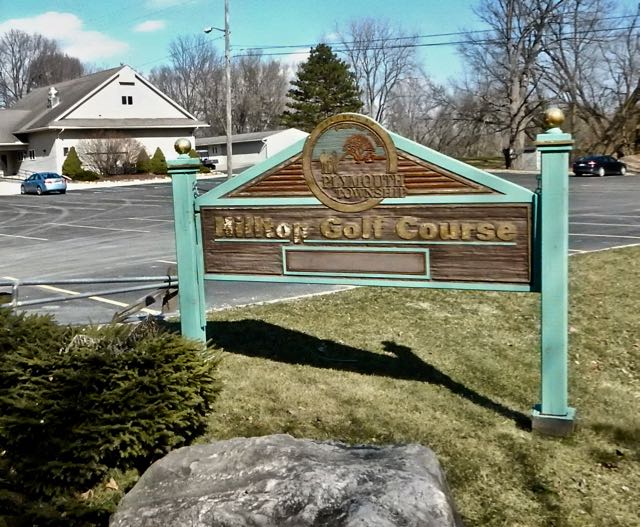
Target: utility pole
{"points": [[227, 58], [227, 74]]}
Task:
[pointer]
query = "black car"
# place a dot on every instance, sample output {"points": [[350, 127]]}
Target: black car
{"points": [[598, 166]]}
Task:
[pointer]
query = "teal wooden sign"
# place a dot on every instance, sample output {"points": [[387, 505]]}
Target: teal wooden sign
{"points": [[356, 204]]}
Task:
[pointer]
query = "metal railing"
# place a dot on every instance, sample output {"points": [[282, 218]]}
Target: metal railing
{"points": [[165, 286]]}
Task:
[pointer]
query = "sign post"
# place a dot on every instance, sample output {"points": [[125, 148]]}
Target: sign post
{"points": [[553, 415], [356, 204], [188, 247]]}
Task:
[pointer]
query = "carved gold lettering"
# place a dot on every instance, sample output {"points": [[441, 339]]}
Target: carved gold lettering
{"points": [[486, 231], [330, 228], [268, 228], [406, 228], [466, 231], [506, 231], [428, 231]]}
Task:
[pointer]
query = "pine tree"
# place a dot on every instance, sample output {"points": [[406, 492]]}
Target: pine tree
{"points": [[324, 87], [158, 163], [143, 162], [72, 165]]}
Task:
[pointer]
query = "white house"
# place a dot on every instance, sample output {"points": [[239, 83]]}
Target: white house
{"points": [[38, 131], [247, 149]]}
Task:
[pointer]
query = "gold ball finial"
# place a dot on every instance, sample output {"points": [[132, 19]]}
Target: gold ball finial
{"points": [[553, 118], [182, 146]]}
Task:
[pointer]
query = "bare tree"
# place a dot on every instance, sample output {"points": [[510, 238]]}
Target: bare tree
{"points": [[594, 70], [260, 88], [109, 153], [195, 80], [504, 66], [29, 61], [415, 104], [193, 58], [380, 57]]}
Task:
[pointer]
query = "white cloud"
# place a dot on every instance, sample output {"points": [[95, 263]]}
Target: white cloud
{"points": [[150, 25], [292, 61], [67, 29], [331, 37]]}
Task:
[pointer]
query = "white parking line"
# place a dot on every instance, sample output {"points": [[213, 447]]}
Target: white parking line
{"points": [[605, 215], [149, 219], [167, 262], [96, 298], [91, 227], [25, 237], [605, 236], [606, 249], [605, 224]]}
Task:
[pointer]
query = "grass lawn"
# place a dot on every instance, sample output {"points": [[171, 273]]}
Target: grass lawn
{"points": [[486, 163], [458, 372]]}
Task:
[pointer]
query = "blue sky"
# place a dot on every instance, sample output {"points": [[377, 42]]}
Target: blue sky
{"points": [[106, 33], [137, 32]]}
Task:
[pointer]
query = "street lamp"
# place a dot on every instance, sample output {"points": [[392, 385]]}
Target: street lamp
{"points": [[227, 70]]}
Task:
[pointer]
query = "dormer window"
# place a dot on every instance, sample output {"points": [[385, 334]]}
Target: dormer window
{"points": [[127, 99]]}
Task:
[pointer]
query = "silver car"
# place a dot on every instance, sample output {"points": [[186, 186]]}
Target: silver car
{"points": [[42, 182]]}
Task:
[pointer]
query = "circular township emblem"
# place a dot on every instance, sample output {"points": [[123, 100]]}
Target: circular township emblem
{"points": [[350, 163]]}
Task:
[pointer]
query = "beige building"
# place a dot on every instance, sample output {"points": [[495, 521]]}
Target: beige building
{"points": [[247, 149], [38, 131]]}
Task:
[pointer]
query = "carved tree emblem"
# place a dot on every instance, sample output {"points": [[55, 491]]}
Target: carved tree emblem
{"points": [[329, 162], [360, 148]]}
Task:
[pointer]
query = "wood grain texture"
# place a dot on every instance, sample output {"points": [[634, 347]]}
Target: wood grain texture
{"points": [[344, 261], [466, 260], [421, 179]]}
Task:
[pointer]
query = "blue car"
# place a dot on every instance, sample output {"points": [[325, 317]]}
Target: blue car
{"points": [[43, 182]]}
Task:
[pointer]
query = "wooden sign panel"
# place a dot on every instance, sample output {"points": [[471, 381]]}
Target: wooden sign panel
{"points": [[441, 242], [350, 206]]}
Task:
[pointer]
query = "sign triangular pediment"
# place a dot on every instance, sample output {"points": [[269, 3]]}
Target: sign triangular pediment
{"points": [[350, 163], [421, 179]]}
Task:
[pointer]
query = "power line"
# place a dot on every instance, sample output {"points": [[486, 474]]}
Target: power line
{"points": [[246, 47], [427, 44]]}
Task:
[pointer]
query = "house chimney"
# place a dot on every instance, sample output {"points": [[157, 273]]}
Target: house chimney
{"points": [[52, 99]]}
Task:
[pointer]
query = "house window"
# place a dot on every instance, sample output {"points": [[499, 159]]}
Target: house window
{"points": [[215, 150], [32, 154], [127, 99], [65, 150], [130, 99]]}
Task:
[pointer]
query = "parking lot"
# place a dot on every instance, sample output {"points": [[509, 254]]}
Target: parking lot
{"points": [[128, 231]]}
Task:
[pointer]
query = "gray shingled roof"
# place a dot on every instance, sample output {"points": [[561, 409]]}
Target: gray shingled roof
{"points": [[70, 93], [132, 123], [9, 121], [238, 138]]}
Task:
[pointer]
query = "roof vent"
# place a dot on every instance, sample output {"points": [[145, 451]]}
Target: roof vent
{"points": [[53, 100]]}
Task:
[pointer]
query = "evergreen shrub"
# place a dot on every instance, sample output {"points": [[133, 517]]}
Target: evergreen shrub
{"points": [[143, 163], [158, 163], [76, 403], [86, 175], [72, 165]]}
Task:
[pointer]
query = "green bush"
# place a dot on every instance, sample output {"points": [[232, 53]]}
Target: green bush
{"points": [[143, 163], [158, 163], [204, 170], [77, 403], [193, 154], [72, 165], [86, 175]]}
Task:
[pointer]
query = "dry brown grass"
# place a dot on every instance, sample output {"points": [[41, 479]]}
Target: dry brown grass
{"points": [[458, 372]]}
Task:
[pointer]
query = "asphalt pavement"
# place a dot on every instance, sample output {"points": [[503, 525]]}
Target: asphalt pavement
{"points": [[128, 231]]}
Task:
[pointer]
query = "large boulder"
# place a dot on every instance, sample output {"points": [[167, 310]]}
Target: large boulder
{"points": [[277, 481]]}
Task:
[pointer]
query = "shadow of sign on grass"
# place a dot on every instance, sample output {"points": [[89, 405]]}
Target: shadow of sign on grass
{"points": [[256, 338]]}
